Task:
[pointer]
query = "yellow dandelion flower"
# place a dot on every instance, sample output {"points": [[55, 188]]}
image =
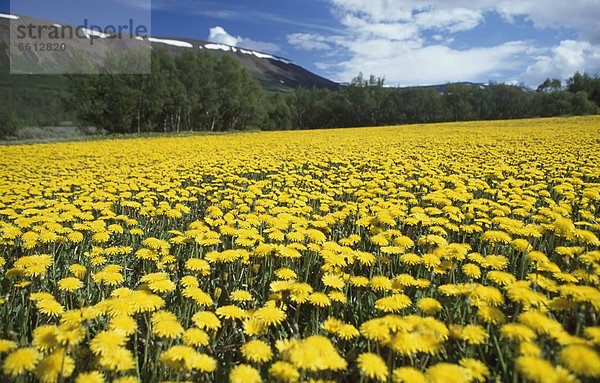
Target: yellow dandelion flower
{"points": [[347, 331], [75, 237], [448, 373], [359, 281], [593, 333], [7, 345], [366, 259], [106, 341], [270, 315], [331, 325], [431, 261], [196, 337], [198, 265], [40, 296], [337, 296], [535, 369], [408, 375], [520, 244], [241, 296], [473, 334], [500, 277], [284, 372], [582, 360], [125, 324], [393, 304], [495, 262], [45, 338], [253, 326], [490, 314], [189, 281], [170, 329], [178, 357], [429, 305], [478, 369], [257, 351], [244, 373], [50, 307], [471, 270], [69, 284], [285, 273], [231, 312], [319, 299], [373, 366], [127, 379], [333, 281], [495, 236], [78, 270], [530, 349], [161, 286], [101, 236], [20, 361], [70, 334], [118, 359], [410, 259], [380, 283], [375, 329], [53, 365], [202, 363], [198, 295], [315, 353], [90, 377], [206, 320]]}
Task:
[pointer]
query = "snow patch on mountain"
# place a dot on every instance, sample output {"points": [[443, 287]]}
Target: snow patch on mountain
{"points": [[221, 47], [176, 43], [7, 16]]}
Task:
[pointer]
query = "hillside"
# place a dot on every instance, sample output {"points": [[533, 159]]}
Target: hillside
{"points": [[274, 73]]}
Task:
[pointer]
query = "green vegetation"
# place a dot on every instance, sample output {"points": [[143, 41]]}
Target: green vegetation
{"points": [[205, 92]]}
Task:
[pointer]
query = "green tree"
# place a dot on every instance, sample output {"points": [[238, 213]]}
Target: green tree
{"points": [[278, 113], [581, 104], [239, 104], [196, 71], [457, 99], [584, 82]]}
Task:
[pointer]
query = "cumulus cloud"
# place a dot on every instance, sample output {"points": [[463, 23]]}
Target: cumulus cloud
{"points": [[565, 59], [219, 35], [410, 41], [432, 64]]}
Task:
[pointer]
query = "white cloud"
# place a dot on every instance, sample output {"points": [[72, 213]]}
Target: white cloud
{"points": [[431, 64], [409, 41], [387, 30], [309, 41], [452, 20], [219, 35], [563, 60]]}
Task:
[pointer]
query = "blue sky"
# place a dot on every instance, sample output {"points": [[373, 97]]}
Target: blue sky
{"points": [[408, 42]]}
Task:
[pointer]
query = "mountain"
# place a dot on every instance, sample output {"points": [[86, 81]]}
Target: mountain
{"points": [[33, 45]]}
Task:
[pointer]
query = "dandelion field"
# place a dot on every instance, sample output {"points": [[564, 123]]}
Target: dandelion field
{"points": [[460, 252]]}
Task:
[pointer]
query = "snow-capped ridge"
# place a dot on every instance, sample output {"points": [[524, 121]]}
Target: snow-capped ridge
{"points": [[229, 48], [7, 16], [177, 43]]}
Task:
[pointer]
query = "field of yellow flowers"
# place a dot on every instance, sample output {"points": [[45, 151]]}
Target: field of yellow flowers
{"points": [[461, 252]]}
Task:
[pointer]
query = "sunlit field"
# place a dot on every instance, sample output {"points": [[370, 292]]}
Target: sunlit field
{"points": [[461, 252]]}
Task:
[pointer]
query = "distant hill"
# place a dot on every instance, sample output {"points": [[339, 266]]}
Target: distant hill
{"points": [[274, 73]]}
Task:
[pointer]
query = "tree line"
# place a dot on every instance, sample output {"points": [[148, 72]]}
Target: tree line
{"points": [[202, 92]]}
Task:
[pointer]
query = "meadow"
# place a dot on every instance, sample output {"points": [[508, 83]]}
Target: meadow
{"points": [[456, 252]]}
